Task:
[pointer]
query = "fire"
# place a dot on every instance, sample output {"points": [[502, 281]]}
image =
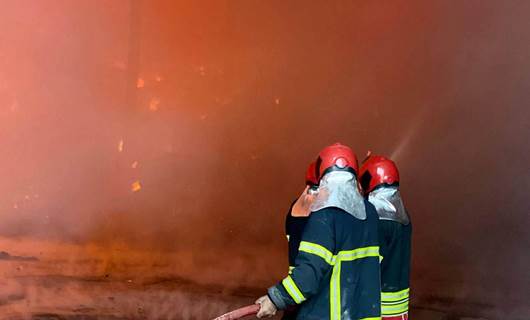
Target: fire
{"points": [[136, 186], [153, 104], [120, 145]]}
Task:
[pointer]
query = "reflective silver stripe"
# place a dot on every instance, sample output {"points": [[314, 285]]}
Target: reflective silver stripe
{"points": [[395, 303], [345, 255], [392, 310], [365, 252]]}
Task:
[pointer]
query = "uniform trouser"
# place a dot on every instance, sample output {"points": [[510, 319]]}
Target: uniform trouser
{"points": [[404, 316]]}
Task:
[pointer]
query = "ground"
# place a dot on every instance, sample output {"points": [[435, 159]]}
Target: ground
{"points": [[45, 280]]}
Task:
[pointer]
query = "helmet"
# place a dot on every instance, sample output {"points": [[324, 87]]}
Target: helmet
{"points": [[310, 175], [376, 171], [336, 157]]}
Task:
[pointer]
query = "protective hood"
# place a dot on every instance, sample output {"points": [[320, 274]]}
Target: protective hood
{"points": [[389, 205], [302, 206], [339, 189]]}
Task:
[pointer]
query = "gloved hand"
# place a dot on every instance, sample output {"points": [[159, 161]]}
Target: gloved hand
{"points": [[267, 308]]}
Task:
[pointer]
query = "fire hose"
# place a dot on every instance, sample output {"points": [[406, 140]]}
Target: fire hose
{"points": [[240, 313]]}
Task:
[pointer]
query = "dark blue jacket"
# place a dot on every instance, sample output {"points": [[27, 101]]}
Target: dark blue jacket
{"points": [[336, 273], [394, 242]]}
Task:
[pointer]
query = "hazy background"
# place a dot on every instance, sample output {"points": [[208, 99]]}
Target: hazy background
{"points": [[213, 109]]}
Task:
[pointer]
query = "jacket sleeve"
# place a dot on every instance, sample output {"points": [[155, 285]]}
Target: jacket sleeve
{"points": [[314, 260]]}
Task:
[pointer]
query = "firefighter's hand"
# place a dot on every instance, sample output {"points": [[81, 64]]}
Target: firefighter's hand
{"points": [[267, 308]]}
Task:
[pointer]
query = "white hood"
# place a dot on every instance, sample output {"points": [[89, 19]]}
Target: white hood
{"points": [[339, 189], [389, 205]]}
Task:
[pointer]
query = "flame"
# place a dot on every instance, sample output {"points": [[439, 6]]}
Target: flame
{"points": [[140, 83], [153, 104], [120, 145], [136, 186]]}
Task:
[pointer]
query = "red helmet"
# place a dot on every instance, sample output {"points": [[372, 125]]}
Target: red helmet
{"points": [[378, 170], [336, 157], [310, 175]]}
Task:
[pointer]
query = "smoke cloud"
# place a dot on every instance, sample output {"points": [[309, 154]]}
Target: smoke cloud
{"points": [[168, 138]]}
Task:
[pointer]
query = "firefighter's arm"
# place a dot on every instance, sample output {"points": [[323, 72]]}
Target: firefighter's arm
{"points": [[315, 258]]}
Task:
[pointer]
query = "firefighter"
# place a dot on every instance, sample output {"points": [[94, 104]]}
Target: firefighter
{"points": [[295, 223], [379, 178], [336, 273]]}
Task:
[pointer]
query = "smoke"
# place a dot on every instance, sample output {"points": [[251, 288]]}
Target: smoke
{"points": [[177, 134]]}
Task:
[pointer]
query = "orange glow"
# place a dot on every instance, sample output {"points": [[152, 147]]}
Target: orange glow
{"points": [[120, 146], [136, 186], [415, 80], [153, 104]]}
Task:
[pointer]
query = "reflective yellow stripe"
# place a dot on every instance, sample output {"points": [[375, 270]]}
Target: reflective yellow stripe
{"points": [[318, 250], [291, 269], [397, 308], [336, 260], [394, 296], [384, 303], [347, 255], [359, 253], [293, 290], [395, 303], [387, 310], [334, 293]]}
